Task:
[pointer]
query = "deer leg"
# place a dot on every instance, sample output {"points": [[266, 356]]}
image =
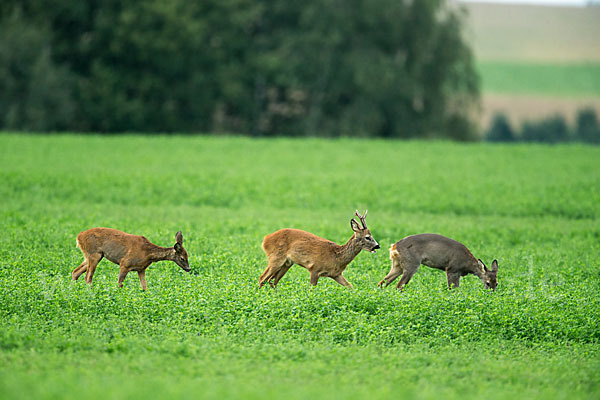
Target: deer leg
{"points": [[77, 272], [272, 269], [142, 276], [408, 273], [92, 263], [286, 267], [453, 279], [279, 275], [395, 272], [314, 278], [265, 275], [122, 274], [342, 281]]}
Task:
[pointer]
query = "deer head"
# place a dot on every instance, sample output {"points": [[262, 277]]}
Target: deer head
{"points": [[362, 234], [490, 280], [181, 256]]}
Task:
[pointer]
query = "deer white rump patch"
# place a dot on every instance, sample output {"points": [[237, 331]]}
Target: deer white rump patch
{"points": [[393, 252]]}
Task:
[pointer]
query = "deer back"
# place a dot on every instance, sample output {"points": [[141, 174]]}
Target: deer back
{"points": [[114, 244], [436, 251], [300, 246]]}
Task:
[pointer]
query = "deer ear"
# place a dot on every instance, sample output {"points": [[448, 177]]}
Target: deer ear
{"points": [[179, 237], [354, 225], [495, 266], [482, 265]]}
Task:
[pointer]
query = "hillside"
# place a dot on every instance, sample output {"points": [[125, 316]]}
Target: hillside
{"points": [[535, 61], [528, 33]]}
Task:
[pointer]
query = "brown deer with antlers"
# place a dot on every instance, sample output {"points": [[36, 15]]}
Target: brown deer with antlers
{"points": [[319, 256], [130, 252]]}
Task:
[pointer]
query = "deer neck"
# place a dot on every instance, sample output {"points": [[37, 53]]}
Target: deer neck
{"points": [[478, 271], [158, 253], [349, 251]]}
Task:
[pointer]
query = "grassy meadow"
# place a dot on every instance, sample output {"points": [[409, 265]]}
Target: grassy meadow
{"points": [[212, 334]]}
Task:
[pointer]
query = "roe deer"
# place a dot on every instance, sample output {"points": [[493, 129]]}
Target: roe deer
{"points": [[130, 252], [319, 256], [440, 252]]}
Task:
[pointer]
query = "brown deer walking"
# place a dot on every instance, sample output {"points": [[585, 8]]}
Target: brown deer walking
{"points": [[130, 252], [319, 256], [440, 252]]}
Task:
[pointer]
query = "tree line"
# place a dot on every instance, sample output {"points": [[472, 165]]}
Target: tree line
{"points": [[383, 68], [553, 129]]}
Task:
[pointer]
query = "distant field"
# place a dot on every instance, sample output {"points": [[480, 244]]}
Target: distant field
{"points": [[535, 34], [558, 80], [212, 334], [530, 91], [535, 61]]}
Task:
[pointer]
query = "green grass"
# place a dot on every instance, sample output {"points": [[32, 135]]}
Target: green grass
{"points": [[562, 80], [213, 334]]}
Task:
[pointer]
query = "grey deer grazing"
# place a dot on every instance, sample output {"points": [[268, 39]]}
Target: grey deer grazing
{"points": [[440, 252], [130, 252], [319, 256]]}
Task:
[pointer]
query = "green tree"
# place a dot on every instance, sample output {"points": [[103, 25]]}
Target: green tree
{"points": [[550, 130], [365, 68], [500, 130], [380, 67], [587, 128], [35, 93]]}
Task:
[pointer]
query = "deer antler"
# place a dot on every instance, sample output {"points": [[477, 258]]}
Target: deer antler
{"points": [[362, 218]]}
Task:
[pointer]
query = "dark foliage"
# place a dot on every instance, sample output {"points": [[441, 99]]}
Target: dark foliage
{"points": [[364, 68], [35, 92], [587, 128], [550, 130], [500, 130]]}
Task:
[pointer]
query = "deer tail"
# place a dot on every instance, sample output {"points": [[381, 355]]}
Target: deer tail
{"points": [[263, 245], [393, 251]]}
